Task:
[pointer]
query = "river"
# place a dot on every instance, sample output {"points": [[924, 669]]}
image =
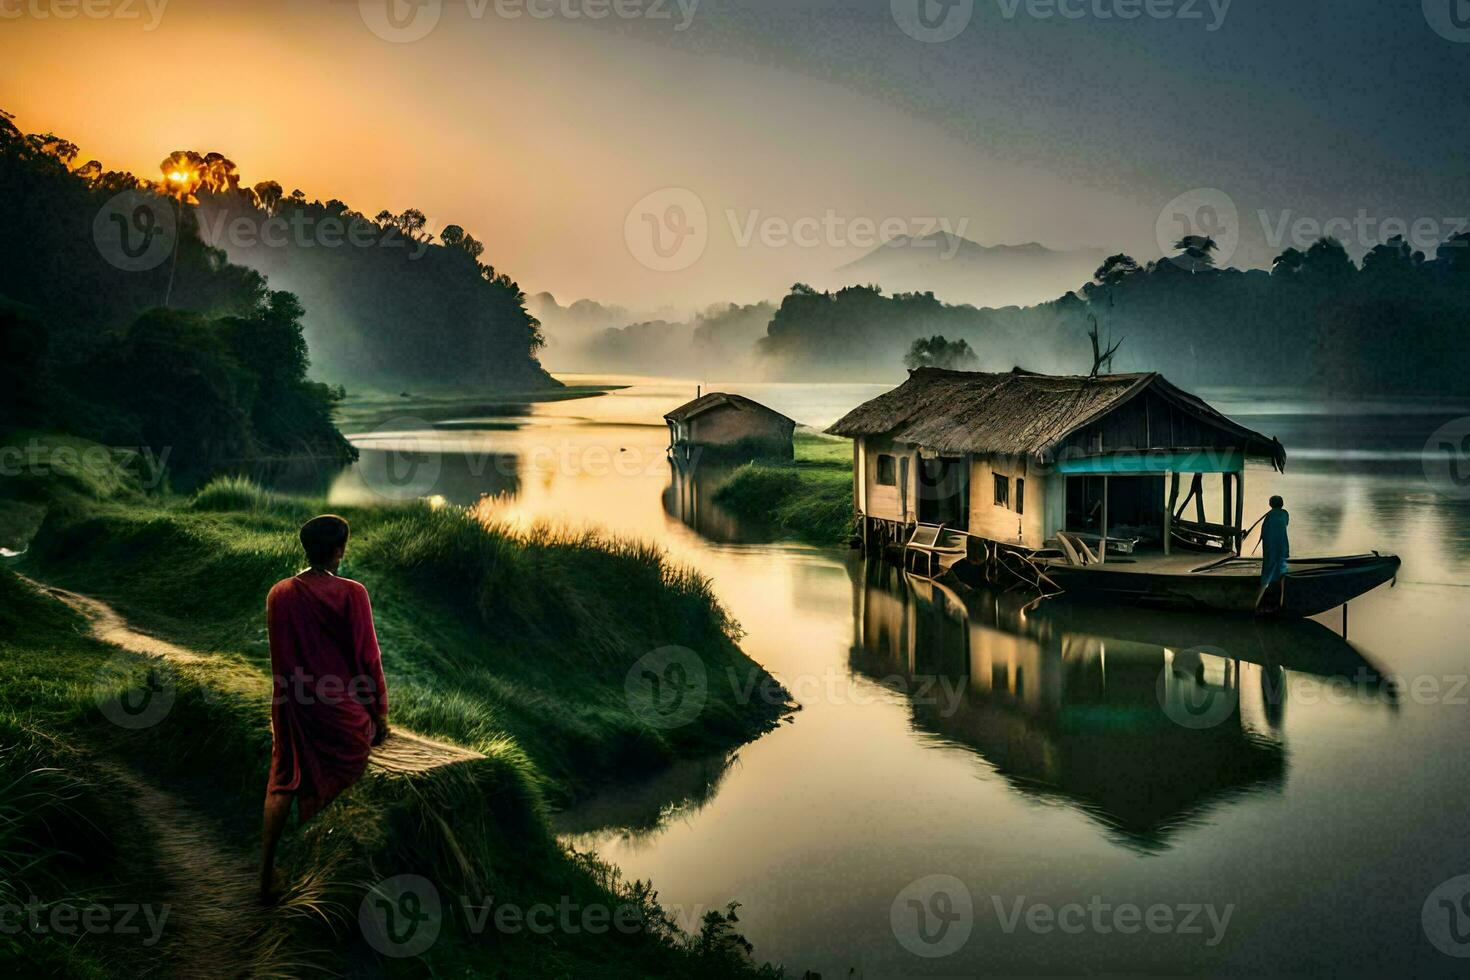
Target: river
{"points": [[973, 787]]}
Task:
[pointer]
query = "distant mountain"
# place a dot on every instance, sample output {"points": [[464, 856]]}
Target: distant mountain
{"points": [[959, 271]]}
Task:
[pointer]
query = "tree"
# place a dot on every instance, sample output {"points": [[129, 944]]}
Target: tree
{"points": [[1288, 263], [1327, 259], [269, 193], [1197, 252], [1100, 357], [1455, 254], [936, 352], [1115, 269]]}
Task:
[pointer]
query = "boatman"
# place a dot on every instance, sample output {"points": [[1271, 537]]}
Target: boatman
{"points": [[1275, 550], [330, 705]]}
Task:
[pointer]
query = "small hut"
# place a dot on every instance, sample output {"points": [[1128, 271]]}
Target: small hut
{"points": [[1012, 458], [729, 424]]}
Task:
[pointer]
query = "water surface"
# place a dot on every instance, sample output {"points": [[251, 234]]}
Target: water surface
{"points": [[1312, 786]]}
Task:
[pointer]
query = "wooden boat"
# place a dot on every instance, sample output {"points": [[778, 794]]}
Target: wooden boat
{"points": [[1313, 585]]}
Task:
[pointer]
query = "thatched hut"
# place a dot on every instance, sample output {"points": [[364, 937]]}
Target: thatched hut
{"points": [[1013, 458], [727, 423]]}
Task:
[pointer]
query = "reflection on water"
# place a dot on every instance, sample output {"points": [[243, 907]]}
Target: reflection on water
{"points": [[1094, 707], [690, 498], [1056, 752]]}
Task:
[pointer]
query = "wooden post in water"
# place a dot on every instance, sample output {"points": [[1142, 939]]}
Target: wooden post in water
{"points": [[1173, 479], [1102, 548], [1239, 510], [1227, 511]]}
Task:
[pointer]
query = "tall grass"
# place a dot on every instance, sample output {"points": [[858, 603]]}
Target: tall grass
{"points": [[808, 498], [514, 642]]}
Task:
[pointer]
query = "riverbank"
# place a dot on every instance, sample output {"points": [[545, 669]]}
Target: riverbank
{"points": [[525, 647], [808, 498]]}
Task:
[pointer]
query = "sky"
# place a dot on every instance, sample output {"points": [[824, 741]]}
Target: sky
{"points": [[673, 153]]}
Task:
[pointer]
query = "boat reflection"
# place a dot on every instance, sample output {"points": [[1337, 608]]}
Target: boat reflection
{"points": [[1143, 721]]}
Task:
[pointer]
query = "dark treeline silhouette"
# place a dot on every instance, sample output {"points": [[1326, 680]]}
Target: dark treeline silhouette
{"points": [[386, 303], [89, 348], [859, 333], [1399, 322]]}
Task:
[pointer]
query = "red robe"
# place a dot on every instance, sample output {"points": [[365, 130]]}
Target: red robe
{"points": [[329, 686]]}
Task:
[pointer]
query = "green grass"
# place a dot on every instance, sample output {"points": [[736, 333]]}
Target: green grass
{"points": [[515, 644], [808, 498]]}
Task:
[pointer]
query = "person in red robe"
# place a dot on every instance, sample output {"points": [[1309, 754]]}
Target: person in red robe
{"points": [[330, 704]]}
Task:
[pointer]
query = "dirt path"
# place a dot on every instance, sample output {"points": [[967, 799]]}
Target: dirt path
{"points": [[401, 752], [217, 926], [215, 918]]}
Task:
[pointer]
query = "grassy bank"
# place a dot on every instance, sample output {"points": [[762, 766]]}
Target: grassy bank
{"points": [[519, 646], [808, 498]]}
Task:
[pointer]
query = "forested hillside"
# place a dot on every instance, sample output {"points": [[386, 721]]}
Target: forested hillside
{"points": [[1399, 321]]}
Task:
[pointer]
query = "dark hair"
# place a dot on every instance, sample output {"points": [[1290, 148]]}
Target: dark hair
{"points": [[322, 536], [1276, 502]]}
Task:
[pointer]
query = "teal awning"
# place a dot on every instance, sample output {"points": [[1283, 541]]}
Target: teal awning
{"points": [[1157, 461]]}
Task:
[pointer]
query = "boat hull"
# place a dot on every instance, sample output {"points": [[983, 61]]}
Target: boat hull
{"points": [[1313, 585]]}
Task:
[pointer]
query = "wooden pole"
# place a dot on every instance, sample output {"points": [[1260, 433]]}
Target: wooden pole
{"points": [[1102, 550], [1239, 510], [1227, 509], [1169, 510]]}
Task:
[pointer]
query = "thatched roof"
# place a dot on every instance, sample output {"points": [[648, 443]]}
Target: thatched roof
{"points": [[716, 399], [1019, 413]]}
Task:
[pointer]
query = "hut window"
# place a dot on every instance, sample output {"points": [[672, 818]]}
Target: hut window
{"points": [[1002, 490], [886, 475], [1020, 496]]}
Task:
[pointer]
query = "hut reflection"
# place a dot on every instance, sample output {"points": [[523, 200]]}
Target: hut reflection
{"points": [[1143, 723], [690, 497]]}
